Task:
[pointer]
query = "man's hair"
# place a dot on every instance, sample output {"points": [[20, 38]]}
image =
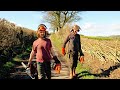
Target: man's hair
{"points": [[38, 30], [42, 25], [76, 27]]}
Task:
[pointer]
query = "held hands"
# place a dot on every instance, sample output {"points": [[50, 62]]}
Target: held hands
{"points": [[81, 59], [63, 51]]}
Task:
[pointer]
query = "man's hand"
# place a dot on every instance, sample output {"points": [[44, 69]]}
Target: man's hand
{"points": [[29, 63], [57, 67], [63, 51], [81, 59]]}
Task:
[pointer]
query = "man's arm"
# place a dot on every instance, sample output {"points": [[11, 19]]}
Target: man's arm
{"points": [[81, 58], [65, 42], [54, 56], [64, 45], [80, 49], [31, 56]]}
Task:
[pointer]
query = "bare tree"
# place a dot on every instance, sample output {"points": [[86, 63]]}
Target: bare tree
{"points": [[58, 19]]}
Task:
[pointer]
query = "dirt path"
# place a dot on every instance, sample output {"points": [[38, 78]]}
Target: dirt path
{"points": [[64, 73], [21, 74]]}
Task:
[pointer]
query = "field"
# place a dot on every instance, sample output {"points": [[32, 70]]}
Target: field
{"points": [[102, 56]]}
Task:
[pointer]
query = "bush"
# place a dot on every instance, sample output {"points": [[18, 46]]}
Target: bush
{"points": [[13, 41], [5, 70]]}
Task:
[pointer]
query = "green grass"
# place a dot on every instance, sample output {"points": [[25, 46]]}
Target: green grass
{"points": [[98, 37], [56, 41], [23, 56], [88, 77], [9, 65], [6, 69], [16, 59], [29, 49], [84, 72]]}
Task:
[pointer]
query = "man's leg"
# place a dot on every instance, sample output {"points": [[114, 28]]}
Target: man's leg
{"points": [[48, 69], [70, 64], [75, 61], [41, 71]]}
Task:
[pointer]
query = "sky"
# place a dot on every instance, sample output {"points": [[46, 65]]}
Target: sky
{"points": [[92, 23], [100, 23]]}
